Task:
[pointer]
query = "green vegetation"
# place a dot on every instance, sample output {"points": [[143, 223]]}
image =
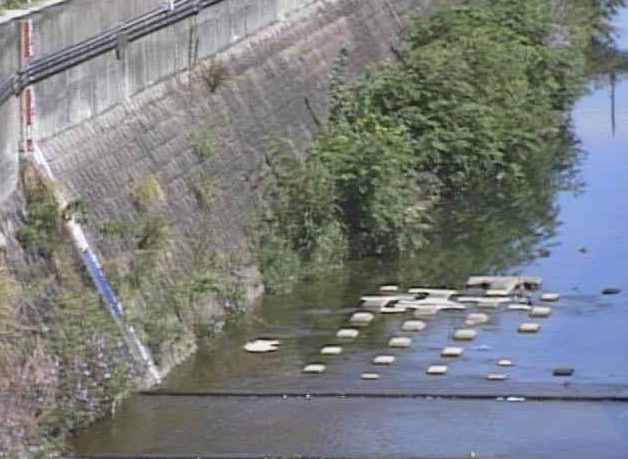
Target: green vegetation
{"points": [[478, 93], [203, 143], [62, 360], [147, 192]]}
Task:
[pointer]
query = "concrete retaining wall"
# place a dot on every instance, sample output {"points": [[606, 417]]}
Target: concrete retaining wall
{"points": [[9, 113], [278, 86]]}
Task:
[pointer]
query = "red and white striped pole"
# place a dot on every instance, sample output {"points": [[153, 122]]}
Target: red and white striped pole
{"points": [[28, 94]]}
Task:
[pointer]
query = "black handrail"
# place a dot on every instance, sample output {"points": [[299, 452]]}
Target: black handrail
{"points": [[44, 67]]}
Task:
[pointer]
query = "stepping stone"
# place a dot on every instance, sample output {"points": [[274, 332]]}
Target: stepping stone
{"points": [[347, 333], [389, 288], [562, 371], [452, 352], [519, 307], [504, 363], [540, 311], [476, 318], [496, 377], [529, 327], [314, 368], [465, 334], [331, 350], [611, 291], [370, 376], [361, 319], [384, 359], [437, 370], [426, 311], [413, 325], [549, 297], [400, 342]]}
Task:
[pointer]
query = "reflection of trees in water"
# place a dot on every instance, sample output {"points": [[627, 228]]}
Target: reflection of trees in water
{"points": [[496, 228]]}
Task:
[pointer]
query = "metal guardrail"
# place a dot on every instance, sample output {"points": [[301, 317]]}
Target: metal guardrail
{"points": [[112, 39]]}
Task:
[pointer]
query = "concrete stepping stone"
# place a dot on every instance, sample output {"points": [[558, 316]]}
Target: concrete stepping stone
{"points": [[465, 334], [437, 370], [370, 376], [496, 377], [400, 342], [362, 318], [529, 327], [314, 368], [540, 311], [426, 311], [476, 318], [384, 360], [550, 297], [452, 351], [347, 334], [563, 371], [519, 307], [331, 350], [504, 363], [413, 326]]}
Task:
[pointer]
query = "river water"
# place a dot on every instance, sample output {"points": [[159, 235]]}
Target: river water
{"points": [[225, 402]]}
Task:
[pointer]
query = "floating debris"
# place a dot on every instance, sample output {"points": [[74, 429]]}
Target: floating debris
{"points": [[529, 327], [361, 319], [563, 371], [347, 333], [393, 307], [314, 368], [504, 282], [400, 341], [260, 346], [504, 363], [389, 288], [331, 350], [384, 360], [465, 334], [540, 311], [476, 318], [496, 377], [433, 292], [611, 291], [377, 301], [451, 351], [437, 370], [441, 304], [413, 326], [549, 297], [370, 376]]}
